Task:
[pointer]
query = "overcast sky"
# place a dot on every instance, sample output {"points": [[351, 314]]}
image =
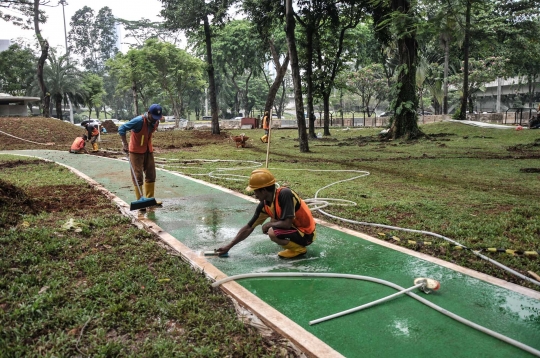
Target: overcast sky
{"points": [[53, 30]]}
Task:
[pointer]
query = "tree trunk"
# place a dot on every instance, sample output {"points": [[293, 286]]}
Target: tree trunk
{"points": [[309, 81], [293, 55], [445, 84], [405, 120], [44, 45], [280, 109], [245, 99], [280, 74], [135, 97], [326, 106], [58, 105], [463, 112], [211, 80]]}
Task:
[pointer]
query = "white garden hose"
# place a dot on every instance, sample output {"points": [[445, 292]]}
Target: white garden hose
{"points": [[483, 329]]}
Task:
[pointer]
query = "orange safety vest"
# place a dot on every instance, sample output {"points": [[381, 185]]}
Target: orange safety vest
{"points": [[141, 141], [303, 220], [78, 143], [265, 122], [95, 132]]}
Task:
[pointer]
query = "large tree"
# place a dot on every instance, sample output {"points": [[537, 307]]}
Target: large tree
{"points": [[133, 73], [28, 14], [93, 37], [92, 85], [17, 70], [238, 53], [175, 71], [332, 51], [396, 22], [268, 19], [193, 16], [370, 84], [62, 79]]}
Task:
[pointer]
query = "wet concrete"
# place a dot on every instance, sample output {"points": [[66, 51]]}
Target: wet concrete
{"points": [[203, 218]]}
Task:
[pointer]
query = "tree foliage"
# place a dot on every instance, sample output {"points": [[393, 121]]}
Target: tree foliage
{"points": [[62, 79], [17, 70], [239, 54], [93, 37], [21, 12], [92, 85], [370, 84], [193, 16]]}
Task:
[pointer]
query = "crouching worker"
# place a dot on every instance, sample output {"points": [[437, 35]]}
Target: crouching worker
{"points": [[291, 224], [78, 145]]}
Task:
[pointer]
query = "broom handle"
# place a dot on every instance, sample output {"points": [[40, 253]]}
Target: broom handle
{"points": [[269, 131], [134, 176]]}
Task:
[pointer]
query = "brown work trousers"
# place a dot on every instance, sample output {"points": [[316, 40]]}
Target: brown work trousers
{"points": [[144, 168]]}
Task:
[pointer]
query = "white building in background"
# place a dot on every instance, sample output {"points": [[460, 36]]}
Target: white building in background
{"points": [[500, 95], [4, 45]]}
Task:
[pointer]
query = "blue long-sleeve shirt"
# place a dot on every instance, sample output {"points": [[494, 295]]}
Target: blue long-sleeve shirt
{"points": [[135, 125]]}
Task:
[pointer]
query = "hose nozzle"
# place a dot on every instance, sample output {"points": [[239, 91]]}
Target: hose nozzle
{"points": [[428, 284]]}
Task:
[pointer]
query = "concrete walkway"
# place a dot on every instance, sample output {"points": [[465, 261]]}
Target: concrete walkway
{"points": [[197, 216]]}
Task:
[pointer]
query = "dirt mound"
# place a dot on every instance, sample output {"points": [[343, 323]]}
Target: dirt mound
{"points": [[14, 202], [109, 126], [37, 133]]}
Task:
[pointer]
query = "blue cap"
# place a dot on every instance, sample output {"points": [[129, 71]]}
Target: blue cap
{"points": [[156, 111]]}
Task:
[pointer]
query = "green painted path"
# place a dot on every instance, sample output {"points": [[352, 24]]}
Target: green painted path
{"points": [[203, 217]]}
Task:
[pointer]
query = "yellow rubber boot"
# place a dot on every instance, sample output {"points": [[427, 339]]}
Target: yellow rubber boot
{"points": [[95, 147], [292, 250], [149, 191], [137, 193], [264, 139]]}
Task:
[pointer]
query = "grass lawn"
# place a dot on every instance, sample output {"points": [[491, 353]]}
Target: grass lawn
{"points": [[111, 289]]}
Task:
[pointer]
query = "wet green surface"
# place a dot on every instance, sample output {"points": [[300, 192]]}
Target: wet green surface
{"points": [[203, 218]]}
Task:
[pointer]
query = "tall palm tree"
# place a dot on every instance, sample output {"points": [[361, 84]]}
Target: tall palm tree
{"points": [[62, 79]]}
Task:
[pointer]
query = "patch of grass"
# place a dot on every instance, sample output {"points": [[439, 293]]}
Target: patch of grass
{"points": [[104, 287]]}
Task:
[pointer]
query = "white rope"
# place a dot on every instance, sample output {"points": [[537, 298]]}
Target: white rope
{"points": [[26, 140]]}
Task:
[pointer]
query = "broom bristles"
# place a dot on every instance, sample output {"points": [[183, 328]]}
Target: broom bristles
{"points": [[142, 203]]}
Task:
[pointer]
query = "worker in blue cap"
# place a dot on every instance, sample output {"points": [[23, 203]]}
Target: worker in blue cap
{"points": [[140, 149]]}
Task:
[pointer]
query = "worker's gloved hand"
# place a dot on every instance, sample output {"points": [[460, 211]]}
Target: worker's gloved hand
{"points": [[126, 148]]}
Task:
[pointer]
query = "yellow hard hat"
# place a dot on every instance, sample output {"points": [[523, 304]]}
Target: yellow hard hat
{"points": [[260, 178]]}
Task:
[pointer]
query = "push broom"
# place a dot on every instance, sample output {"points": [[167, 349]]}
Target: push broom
{"points": [[142, 202]]}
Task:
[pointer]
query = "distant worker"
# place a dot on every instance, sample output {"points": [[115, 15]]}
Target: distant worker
{"points": [[140, 149], [78, 145], [266, 126], [291, 224], [93, 134]]}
